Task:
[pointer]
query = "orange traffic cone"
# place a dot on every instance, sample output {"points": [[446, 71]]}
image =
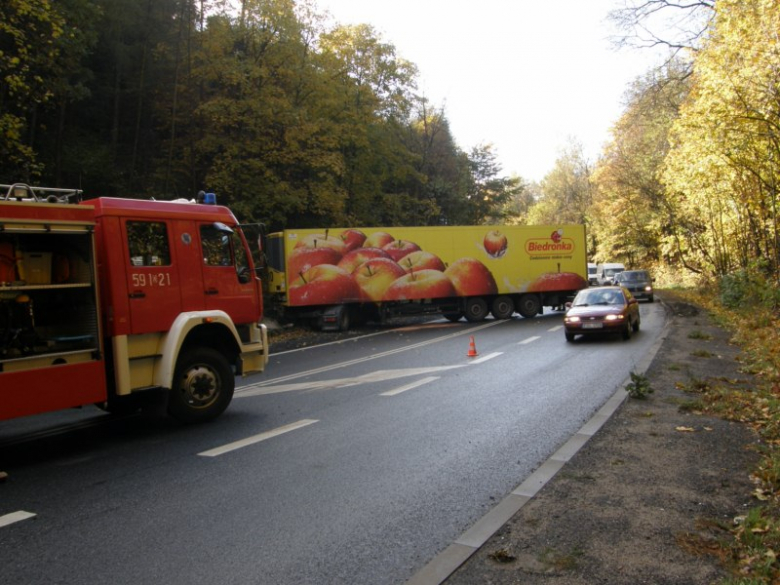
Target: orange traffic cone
{"points": [[472, 349]]}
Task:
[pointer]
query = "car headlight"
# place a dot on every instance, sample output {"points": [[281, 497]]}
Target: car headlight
{"points": [[571, 320], [613, 317], [648, 288]]}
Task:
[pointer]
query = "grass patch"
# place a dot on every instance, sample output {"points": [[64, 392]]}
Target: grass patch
{"points": [[560, 561], [698, 334], [639, 386], [702, 353], [502, 556]]}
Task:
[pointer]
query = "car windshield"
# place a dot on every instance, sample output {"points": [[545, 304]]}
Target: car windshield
{"points": [[598, 297], [633, 276]]}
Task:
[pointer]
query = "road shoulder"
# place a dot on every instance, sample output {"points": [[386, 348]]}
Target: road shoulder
{"points": [[647, 498]]}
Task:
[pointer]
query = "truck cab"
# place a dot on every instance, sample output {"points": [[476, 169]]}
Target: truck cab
{"points": [[115, 298], [605, 273]]}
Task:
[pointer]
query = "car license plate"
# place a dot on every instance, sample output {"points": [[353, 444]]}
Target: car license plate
{"points": [[592, 325]]}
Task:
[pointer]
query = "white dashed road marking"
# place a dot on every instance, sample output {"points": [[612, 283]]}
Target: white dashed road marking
{"points": [[410, 386], [485, 358], [257, 438], [15, 517]]}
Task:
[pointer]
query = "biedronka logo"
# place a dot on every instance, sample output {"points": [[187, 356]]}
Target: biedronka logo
{"points": [[555, 244]]}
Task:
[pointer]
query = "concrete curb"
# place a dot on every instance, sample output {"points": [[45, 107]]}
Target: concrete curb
{"points": [[447, 562]]}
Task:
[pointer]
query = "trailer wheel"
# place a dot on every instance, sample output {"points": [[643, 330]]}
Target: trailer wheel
{"points": [[529, 306], [476, 309], [454, 317], [503, 307], [203, 386]]}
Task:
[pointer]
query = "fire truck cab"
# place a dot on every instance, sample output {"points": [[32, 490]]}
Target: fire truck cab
{"points": [[109, 300]]}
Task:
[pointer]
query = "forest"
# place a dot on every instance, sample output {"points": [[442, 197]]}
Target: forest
{"points": [[296, 122]]}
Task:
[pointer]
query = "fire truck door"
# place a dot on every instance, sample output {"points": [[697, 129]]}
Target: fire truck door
{"points": [[152, 279], [228, 283]]}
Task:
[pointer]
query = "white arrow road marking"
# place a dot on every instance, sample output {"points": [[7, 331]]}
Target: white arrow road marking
{"points": [[378, 376], [529, 340], [410, 386], [276, 381], [257, 438], [15, 517], [485, 358]]}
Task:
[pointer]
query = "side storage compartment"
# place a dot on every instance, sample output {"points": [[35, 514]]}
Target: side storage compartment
{"points": [[50, 340]]}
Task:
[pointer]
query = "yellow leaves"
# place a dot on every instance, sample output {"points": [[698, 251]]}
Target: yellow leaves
{"points": [[762, 494]]}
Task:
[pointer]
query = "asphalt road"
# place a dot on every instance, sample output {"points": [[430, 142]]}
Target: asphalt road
{"points": [[352, 462]]}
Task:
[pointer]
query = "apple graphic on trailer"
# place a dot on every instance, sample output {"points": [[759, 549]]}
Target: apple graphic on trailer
{"points": [[358, 256], [322, 241], [303, 258], [495, 244], [400, 248], [374, 276], [425, 284], [471, 278], [378, 240], [323, 284], [352, 239], [558, 281], [421, 260]]}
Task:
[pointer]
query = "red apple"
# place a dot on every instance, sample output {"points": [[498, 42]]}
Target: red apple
{"points": [[301, 259], [400, 248], [323, 284], [378, 240], [374, 276], [352, 238], [555, 281], [421, 260], [425, 284], [322, 241], [358, 256], [495, 244], [471, 278]]}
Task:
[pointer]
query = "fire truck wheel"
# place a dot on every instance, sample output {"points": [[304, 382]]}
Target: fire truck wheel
{"points": [[476, 309], [529, 306], [503, 307], [202, 386]]}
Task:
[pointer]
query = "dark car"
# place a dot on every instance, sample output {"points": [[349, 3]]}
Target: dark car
{"points": [[638, 282], [601, 310]]}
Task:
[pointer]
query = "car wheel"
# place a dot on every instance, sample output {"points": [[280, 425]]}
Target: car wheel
{"points": [[569, 337], [627, 331], [650, 299], [636, 324]]}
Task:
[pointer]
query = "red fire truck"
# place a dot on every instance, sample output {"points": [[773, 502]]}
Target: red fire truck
{"points": [[110, 301]]}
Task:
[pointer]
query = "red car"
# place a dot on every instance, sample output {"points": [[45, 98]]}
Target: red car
{"points": [[600, 310]]}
